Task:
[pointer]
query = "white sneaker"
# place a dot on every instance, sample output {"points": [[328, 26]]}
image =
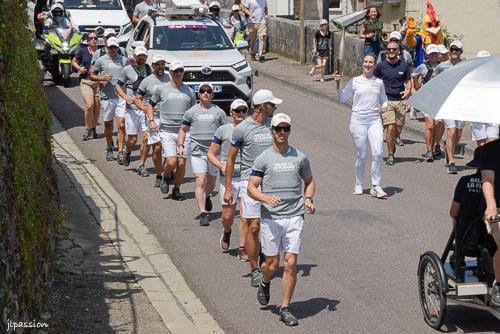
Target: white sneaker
{"points": [[378, 192], [358, 190]]}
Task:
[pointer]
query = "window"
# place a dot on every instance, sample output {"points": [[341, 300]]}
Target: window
{"points": [[190, 37], [334, 4]]}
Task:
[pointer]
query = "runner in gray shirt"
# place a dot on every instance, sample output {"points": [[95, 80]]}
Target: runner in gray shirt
{"points": [[141, 10], [174, 98], [144, 93], [279, 171], [221, 144], [251, 137], [106, 70], [202, 120]]}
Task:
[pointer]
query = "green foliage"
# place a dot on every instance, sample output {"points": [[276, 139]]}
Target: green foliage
{"points": [[27, 118]]}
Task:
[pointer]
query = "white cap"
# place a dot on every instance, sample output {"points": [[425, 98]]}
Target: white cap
{"points": [[140, 50], [431, 48], [175, 65], [483, 53], [457, 43], [113, 41], [57, 5], [235, 7], [214, 4], [395, 35], [59, 1], [264, 96], [157, 58], [442, 49], [323, 21], [205, 84], [109, 31], [281, 118], [238, 103]]}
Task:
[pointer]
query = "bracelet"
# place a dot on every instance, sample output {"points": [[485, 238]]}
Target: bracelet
{"points": [[310, 198], [151, 120]]}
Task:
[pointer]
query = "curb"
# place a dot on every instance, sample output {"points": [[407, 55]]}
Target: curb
{"points": [[466, 150], [179, 308]]}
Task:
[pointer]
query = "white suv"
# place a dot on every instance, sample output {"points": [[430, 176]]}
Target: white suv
{"points": [[204, 48]]}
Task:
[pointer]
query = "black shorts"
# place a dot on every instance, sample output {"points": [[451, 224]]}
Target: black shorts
{"points": [[323, 53]]}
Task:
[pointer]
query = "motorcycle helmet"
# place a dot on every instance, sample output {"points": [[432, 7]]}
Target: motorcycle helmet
{"points": [[57, 10]]}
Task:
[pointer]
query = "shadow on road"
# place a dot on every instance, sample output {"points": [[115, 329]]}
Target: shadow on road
{"points": [[307, 308], [304, 268], [469, 320]]}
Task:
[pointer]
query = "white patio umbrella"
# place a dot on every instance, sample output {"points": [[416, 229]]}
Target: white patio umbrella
{"points": [[468, 91]]}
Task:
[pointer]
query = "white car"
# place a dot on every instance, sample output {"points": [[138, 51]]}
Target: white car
{"points": [[91, 14], [204, 48]]}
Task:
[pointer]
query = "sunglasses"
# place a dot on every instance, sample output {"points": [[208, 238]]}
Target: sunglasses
{"points": [[180, 70], [203, 91], [93, 38], [392, 49], [455, 50], [284, 129], [240, 110]]}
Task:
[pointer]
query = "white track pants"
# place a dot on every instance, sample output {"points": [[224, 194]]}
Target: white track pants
{"points": [[364, 133]]}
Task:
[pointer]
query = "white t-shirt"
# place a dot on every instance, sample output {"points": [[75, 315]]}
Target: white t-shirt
{"points": [[368, 95], [257, 8]]}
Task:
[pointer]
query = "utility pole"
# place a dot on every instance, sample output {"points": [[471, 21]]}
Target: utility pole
{"points": [[302, 37]]}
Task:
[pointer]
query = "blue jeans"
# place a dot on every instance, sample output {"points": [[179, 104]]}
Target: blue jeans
{"points": [[372, 48]]}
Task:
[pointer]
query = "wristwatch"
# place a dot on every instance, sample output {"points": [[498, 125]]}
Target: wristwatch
{"points": [[310, 198]]}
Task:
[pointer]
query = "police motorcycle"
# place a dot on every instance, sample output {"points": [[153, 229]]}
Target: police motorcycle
{"points": [[462, 275]]}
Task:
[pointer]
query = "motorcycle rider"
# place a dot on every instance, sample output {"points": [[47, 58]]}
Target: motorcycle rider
{"points": [[57, 17]]}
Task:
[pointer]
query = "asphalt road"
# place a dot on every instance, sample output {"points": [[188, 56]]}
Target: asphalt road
{"points": [[357, 270]]}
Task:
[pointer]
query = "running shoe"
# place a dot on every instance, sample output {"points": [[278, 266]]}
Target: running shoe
{"points": [[94, 133], [208, 203], [495, 294], [225, 240], [399, 142], [157, 183], [378, 192], [358, 190], [176, 194], [437, 152], [142, 171], [452, 169], [109, 154], [242, 254], [204, 219], [126, 159], [429, 157], [413, 114], [287, 317], [255, 276], [87, 135], [120, 157], [164, 185], [262, 59], [390, 160], [263, 294]]}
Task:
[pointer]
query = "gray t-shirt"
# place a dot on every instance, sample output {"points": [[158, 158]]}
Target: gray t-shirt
{"points": [[203, 123], [148, 87], [174, 102], [422, 70], [223, 137], [106, 64], [282, 176], [102, 52], [142, 9], [131, 78], [252, 139], [442, 67]]}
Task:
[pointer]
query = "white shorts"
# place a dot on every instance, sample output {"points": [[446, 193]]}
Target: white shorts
{"points": [[482, 131], [235, 188], [281, 235], [251, 207], [200, 165], [153, 137], [144, 126], [169, 144], [134, 118], [112, 108], [450, 124]]}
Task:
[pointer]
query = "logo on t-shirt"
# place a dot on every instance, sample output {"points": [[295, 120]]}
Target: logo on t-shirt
{"points": [[262, 138], [474, 185], [284, 167]]}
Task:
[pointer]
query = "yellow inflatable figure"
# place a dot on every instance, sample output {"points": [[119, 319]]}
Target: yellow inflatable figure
{"points": [[430, 33]]}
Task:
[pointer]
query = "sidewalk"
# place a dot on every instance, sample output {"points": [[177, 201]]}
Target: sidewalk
{"points": [[290, 74]]}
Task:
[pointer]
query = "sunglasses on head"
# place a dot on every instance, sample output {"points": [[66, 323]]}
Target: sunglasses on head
{"points": [[455, 50], [205, 90], [240, 110], [282, 128]]}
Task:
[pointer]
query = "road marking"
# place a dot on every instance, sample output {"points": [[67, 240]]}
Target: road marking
{"points": [[180, 309]]}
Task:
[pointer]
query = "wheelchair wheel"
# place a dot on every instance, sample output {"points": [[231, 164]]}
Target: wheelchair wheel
{"points": [[432, 288]]}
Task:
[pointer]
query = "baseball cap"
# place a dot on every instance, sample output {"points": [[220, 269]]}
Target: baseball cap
{"points": [[214, 4], [109, 31], [235, 7], [205, 84], [457, 44], [176, 64], [395, 35], [483, 53], [156, 58], [323, 21], [264, 96], [281, 118], [442, 49], [431, 48], [113, 41], [140, 50], [238, 103]]}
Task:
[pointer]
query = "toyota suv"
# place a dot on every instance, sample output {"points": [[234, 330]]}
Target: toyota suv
{"points": [[191, 36]]}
